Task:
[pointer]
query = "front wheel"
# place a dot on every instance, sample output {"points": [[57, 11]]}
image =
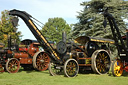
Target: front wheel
{"points": [[54, 69], [117, 68], [1, 68], [71, 68], [13, 65]]}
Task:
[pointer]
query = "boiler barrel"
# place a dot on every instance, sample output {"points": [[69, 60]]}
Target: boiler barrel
{"points": [[21, 55]]}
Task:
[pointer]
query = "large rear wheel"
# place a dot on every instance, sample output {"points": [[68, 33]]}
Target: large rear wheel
{"points": [[71, 68], [100, 62], [117, 68], [41, 61]]}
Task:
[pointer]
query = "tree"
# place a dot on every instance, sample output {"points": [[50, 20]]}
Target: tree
{"points": [[53, 29], [6, 28], [91, 18]]}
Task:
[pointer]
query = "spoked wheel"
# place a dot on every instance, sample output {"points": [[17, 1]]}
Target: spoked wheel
{"points": [[117, 68], [100, 62], [12, 65], [54, 69], [1, 68], [41, 61], [71, 68]]}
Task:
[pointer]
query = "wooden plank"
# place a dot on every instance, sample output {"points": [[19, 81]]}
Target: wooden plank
{"points": [[84, 64], [84, 58]]}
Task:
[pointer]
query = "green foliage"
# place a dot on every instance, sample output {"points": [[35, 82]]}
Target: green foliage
{"points": [[91, 18], [53, 29], [6, 28]]}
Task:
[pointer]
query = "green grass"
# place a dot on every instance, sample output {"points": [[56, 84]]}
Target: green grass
{"points": [[43, 78]]}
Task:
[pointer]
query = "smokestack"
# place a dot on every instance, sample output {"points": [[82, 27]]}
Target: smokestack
{"points": [[9, 42], [64, 36]]}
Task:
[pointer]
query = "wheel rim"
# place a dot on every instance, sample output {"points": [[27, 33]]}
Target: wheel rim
{"points": [[54, 69], [117, 68], [41, 61], [1, 68], [101, 62], [71, 68], [12, 65]]}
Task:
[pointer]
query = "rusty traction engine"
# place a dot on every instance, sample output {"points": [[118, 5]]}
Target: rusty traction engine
{"points": [[26, 54]]}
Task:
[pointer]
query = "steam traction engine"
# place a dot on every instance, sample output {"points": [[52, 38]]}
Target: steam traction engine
{"points": [[30, 55], [27, 55], [93, 54]]}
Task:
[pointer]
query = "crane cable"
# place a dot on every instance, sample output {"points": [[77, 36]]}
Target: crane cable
{"points": [[37, 21]]}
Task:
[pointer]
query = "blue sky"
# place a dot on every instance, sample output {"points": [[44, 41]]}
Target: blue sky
{"points": [[42, 10]]}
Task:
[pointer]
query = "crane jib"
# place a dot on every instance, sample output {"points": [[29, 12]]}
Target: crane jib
{"points": [[44, 39]]}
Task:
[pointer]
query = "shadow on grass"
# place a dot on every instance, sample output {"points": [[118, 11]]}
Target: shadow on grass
{"points": [[32, 70], [86, 72], [125, 74]]}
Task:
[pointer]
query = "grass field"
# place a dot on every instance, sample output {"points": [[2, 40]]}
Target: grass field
{"points": [[43, 78]]}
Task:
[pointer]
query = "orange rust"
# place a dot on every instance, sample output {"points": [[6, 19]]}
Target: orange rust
{"points": [[9, 52], [25, 60]]}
